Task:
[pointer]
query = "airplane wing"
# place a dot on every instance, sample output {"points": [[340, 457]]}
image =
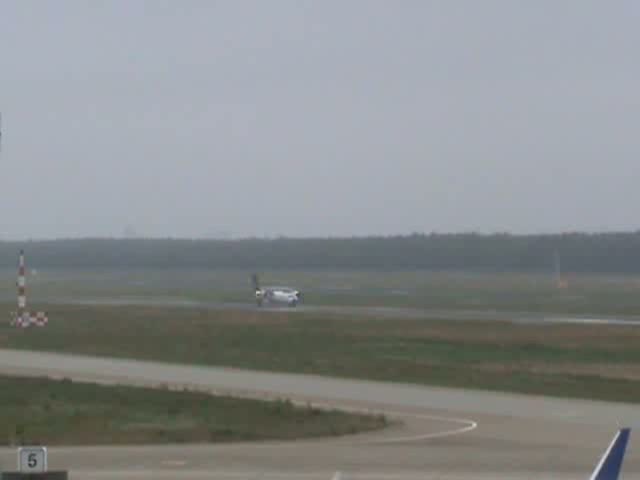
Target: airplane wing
{"points": [[610, 464]]}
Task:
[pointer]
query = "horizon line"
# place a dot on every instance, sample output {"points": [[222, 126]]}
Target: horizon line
{"points": [[318, 237]]}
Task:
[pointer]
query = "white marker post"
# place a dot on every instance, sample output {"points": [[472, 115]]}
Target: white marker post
{"points": [[32, 459]]}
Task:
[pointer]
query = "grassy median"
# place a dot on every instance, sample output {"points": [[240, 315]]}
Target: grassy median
{"points": [[597, 362], [61, 412]]}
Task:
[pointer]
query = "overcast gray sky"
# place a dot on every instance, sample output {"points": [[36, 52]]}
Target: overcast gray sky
{"points": [[202, 118]]}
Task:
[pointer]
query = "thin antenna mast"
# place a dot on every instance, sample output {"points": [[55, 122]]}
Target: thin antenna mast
{"points": [[560, 282]]}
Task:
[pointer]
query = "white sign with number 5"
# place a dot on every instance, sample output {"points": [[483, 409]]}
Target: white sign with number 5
{"points": [[32, 459]]}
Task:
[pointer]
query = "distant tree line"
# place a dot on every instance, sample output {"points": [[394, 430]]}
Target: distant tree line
{"points": [[578, 252]]}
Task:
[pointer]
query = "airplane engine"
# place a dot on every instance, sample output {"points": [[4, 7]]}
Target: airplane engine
{"points": [[294, 299]]}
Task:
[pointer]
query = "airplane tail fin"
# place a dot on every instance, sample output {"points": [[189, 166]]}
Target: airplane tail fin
{"points": [[255, 282], [610, 464]]}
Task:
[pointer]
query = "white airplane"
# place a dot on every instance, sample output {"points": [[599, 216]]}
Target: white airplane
{"points": [[608, 467], [275, 295]]}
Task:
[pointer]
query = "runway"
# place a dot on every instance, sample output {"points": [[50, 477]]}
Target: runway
{"points": [[369, 311], [446, 434]]}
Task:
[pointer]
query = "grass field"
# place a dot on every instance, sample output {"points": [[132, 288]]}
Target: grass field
{"points": [[598, 362], [586, 294], [61, 412]]}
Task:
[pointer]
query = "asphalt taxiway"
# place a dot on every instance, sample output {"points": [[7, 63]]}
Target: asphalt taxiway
{"points": [[445, 433]]}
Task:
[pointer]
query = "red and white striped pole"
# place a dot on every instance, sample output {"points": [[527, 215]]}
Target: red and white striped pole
{"points": [[22, 285], [23, 318]]}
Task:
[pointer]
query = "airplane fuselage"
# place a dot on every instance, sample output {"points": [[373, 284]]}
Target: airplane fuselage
{"points": [[278, 295]]}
